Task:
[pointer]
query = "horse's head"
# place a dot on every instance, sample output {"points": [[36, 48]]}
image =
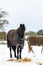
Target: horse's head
{"points": [[21, 30]]}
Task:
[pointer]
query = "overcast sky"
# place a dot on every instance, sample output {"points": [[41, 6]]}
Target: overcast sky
{"points": [[29, 12]]}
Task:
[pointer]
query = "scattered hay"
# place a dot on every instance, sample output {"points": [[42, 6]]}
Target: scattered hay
{"points": [[20, 60], [26, 60], [39, 63], [11, 60]]}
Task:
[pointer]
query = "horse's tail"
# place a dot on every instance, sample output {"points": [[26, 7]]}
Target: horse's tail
{"points": [[8, 43]]}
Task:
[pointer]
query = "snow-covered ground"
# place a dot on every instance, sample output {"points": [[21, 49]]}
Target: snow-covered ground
{"points": [[37, 57]]}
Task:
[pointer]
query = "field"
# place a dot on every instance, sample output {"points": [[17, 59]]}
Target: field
{"points": [[27, 58]]}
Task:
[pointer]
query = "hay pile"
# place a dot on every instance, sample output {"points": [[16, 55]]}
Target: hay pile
{"points": [[20, 60]]}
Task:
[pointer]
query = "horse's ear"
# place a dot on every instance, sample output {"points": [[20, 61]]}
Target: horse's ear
{"points": [[20, 25], [23, 26]]}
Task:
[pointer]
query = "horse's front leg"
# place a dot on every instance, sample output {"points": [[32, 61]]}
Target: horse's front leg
{"points": [[30, 49], [20, 53], [41, 49], [10, 53]]}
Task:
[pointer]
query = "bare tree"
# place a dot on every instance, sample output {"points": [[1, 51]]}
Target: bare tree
{"points": [[3, 21]]}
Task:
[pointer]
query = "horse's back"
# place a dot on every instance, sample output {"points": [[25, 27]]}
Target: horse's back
{"points": [[36, 41]]}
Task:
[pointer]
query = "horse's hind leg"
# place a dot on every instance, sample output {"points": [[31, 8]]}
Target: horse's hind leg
{"points": [[10, 53]]}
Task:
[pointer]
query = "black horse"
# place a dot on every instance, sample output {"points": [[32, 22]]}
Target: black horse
{"points": [[15, 40]]}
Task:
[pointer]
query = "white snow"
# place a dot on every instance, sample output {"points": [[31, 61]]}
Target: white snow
{"points": [[36, 57]]}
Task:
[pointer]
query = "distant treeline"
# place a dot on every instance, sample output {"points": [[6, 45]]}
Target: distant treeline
{"points": [[32, 33], [3, 35]]}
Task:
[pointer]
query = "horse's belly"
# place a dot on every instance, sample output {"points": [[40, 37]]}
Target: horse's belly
{"points": [[13, 43]]}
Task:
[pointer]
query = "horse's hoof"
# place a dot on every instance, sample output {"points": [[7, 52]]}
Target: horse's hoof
{"points": [[17, 57], [10, 56], [20, 58]]}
